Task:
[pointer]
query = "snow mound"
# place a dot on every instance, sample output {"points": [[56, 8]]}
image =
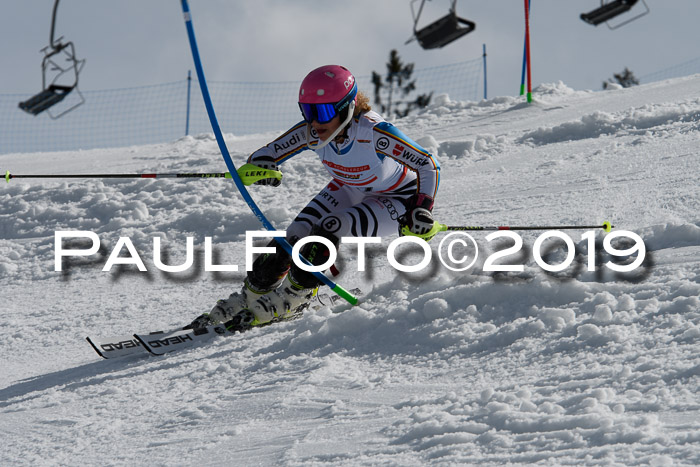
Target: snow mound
{"points": [[639, 121]]}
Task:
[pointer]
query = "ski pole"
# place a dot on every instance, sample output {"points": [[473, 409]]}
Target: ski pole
{"points": [[605, 226], [249, 174]]}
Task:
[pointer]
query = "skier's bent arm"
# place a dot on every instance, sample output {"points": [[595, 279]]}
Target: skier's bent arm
{"points": [[408, 153]]}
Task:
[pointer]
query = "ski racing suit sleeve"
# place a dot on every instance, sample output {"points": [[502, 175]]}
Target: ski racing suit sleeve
{"points": [[389, 141], [291, 143]]}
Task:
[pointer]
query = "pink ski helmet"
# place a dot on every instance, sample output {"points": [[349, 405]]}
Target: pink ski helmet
{"points": [[325, 92]]}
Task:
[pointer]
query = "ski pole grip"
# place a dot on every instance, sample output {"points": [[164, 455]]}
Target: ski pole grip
{"points": [[251, 173]]}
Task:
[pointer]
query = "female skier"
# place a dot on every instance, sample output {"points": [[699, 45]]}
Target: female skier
{"points": [[382, 182]]}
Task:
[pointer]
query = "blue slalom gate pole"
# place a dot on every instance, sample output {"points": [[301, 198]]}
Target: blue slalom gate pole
{"points": [[229, 163], [522, 77]]}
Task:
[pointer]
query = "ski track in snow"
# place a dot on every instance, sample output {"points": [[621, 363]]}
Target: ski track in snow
{"points": [[438, 367]]}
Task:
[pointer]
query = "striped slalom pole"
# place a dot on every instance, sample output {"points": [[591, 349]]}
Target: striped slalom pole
{"points": [[527, 50], [522, 75]]}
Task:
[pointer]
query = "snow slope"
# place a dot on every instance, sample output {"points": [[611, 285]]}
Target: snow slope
{"points": [[438, 367]]}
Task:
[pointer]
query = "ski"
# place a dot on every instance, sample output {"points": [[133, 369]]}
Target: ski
{"points": [[117, 346], [162, 342]]}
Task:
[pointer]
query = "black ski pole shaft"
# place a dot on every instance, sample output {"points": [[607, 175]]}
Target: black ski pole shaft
{"points": [[249, 174], [9, 176], [605, 226]]}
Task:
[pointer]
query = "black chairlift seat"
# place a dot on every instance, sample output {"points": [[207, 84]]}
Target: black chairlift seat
{"points": [[49, 97], [64, 81], [60, 68], [610, 10], [442, 31]]}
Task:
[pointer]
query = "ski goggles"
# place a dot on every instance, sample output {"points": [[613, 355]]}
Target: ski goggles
{"points": [[324, 113]]}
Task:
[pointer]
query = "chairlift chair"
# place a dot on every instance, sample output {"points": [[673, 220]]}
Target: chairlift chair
{"points": [[62, 78], [441, 32], [610, 10]]}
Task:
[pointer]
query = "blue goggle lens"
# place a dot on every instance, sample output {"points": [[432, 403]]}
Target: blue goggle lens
{"points": [[322, 113]]}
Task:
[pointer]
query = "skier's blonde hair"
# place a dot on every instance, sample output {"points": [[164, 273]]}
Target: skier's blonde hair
{"points": [[361, 104]]}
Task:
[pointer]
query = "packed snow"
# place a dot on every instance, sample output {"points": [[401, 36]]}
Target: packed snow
{"points": [[436, 367]]}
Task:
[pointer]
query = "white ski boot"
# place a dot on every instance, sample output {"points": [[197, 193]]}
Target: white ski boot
{"points": [[226, 309], [282, 302]]}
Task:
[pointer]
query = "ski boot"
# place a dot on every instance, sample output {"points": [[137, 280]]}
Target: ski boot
{"points": [[227, 310], [288, 300]]}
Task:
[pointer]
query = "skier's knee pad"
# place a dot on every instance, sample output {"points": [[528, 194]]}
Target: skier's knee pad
{"points": [[269, 269], [316, 253]]}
